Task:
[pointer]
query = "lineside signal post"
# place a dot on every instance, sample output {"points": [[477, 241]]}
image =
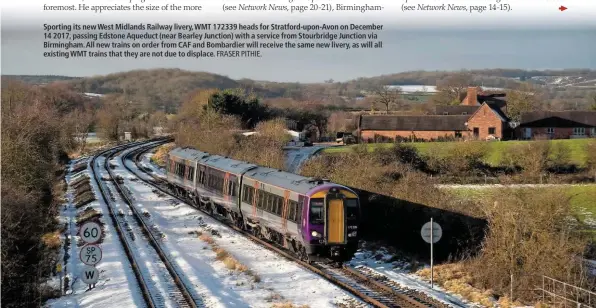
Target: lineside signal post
{"points": [[91, 253], [431, 233]]}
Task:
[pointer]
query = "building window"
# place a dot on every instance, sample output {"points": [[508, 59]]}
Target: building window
{"points": [[445, 113], [492, 130], [464, 113], [457, 134], [476, 131], [579, 131], [550, 130], [593, 134]]}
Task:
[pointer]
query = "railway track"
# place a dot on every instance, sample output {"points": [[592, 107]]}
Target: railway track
{"points": [[361, 282], [174, 291]]}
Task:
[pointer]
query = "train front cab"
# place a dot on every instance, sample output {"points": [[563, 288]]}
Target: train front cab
{"points": [[333, 216]]}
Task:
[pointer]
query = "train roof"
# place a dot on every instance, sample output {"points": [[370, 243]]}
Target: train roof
{"points": [[227, 164], [286, 180], [188, 154]]}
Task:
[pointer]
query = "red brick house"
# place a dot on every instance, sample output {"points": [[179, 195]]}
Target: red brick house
{"points": [[480, 116], [557, 124], [378, 128]]}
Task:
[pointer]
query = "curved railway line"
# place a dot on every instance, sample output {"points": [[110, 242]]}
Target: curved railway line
{"points": [[176, 290], [360, 282]]}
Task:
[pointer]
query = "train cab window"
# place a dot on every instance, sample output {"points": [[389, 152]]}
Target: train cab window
{"points": [[316, 211], [352, 208]]}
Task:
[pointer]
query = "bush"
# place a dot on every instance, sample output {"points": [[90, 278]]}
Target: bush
{"points": [[529, 235], [159, 158]]}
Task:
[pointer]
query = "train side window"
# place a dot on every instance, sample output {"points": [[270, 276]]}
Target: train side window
{"points": [[292, 210], [191, 173], [271, 203], [274, 205], [260, 199], [280, 205], [267, 202], [298, 212]]}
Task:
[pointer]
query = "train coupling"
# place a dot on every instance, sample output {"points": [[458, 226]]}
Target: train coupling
{"points": [[335, 251]]}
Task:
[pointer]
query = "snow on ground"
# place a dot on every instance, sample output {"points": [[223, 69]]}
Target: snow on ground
{"points": [[145, 255], [428, 89], [149, 165], [116, 283], [396, 272], [296, 156], [280, 280]]}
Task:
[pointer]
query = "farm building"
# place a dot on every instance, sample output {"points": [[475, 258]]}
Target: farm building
{"points": [[557, 124], [480, 116]]}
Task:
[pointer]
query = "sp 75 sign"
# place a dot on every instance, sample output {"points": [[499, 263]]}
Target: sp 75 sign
{"points": [[90, 254]]}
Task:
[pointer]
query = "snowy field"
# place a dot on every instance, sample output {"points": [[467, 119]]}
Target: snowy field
{"points": [[429, 89]]}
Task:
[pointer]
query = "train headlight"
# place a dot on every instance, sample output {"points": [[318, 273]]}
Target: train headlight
{"points": [[316, 234], [352, 234]]}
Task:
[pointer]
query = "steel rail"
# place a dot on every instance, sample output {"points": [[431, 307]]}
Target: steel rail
{"points": [[380, 292], [125, 244], [186, 293]]}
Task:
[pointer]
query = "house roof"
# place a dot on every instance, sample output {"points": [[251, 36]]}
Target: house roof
{"points": [[455, 110], [587, 118], [496, 109], [414, 123]]}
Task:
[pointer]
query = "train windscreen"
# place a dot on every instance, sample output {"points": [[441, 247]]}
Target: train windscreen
{"points": [[351, 209], [316, 211]]}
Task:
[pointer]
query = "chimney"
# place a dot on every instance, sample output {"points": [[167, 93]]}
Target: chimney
{"points": [[472, 97]]}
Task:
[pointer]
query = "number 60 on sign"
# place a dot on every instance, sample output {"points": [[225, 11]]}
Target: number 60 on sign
{"points": [[90, 232]]}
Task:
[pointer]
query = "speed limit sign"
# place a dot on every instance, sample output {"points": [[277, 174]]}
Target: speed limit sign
{"points": [[90, 232], [90, 254]]}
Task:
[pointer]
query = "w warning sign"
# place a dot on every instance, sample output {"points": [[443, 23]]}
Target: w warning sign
{"points": [[89, 274]]}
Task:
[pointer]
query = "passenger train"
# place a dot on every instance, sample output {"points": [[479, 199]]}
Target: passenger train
{"points": [[315, 219]]}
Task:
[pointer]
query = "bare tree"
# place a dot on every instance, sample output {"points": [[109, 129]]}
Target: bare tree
{"points": [[387, 96], [451, 89], [525, 98], [79, 121]]}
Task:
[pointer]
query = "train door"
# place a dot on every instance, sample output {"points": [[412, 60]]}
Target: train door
{"points": [[335, 227]]}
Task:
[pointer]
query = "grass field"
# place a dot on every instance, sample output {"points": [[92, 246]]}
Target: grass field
{"points": [[576, 146], [582, 198]]}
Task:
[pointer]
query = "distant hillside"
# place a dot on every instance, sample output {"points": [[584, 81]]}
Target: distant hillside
{"points": [[165, 89], [39, 79], [498, 78]]}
